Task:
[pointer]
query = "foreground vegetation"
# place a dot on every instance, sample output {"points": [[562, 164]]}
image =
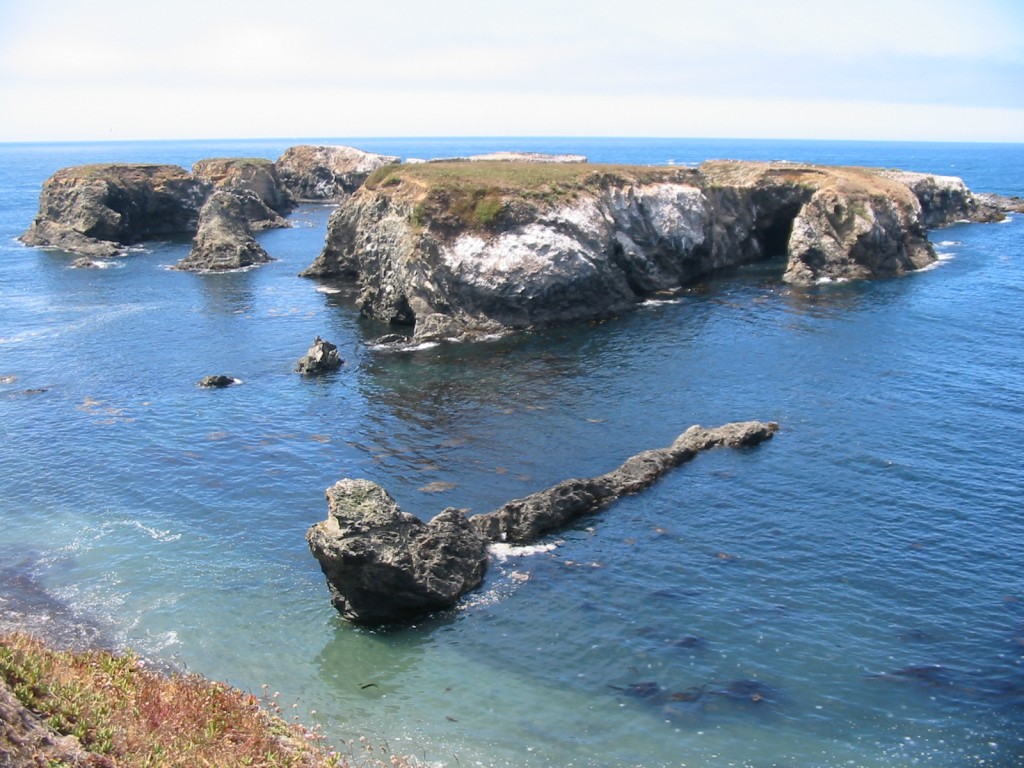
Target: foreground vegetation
{"points": [[122, 714]]}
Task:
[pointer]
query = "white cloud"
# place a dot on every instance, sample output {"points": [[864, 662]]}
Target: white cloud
{"points": [[736, 67]]}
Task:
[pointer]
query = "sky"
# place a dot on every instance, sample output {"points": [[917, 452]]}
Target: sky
{"points": [[917, 70]]}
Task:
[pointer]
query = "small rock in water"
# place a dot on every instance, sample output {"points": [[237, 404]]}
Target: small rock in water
{"points": [[321, 357], [218, 382]]}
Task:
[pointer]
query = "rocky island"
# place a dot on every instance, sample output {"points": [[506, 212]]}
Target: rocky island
{"points": [[469, 246], [462, 248], [96, 211]]}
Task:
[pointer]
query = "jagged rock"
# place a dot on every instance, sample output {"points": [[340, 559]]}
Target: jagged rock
{"points": [[310, 172], [256, 184], [224, 240], [321, 357], [84, 262], [943, 199], [454, 251], [524, 520], [383, 564], [96, 210], [218, 381]]}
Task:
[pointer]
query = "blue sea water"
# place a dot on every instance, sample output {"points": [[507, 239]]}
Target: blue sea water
{"points": [[864, 568]]}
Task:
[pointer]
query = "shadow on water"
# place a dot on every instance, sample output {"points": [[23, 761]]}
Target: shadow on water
{"points": [[227, 293], [26, 605], [371, 663]]}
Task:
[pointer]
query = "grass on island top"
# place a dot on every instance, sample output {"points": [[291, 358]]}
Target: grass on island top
{"points": [[481, 195], [127, 715]]}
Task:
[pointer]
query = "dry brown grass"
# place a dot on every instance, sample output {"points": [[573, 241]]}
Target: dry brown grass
{"points": [[128, 715], [482, 194]]}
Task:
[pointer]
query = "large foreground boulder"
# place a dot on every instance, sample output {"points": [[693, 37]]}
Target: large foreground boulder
{"points": [[383, 564], [224, 240]]}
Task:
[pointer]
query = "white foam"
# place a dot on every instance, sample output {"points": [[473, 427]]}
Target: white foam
{"points": [[659, 302], [949, 243], [831, 280], [153, 533], [325, 289], [1007, 220], [503, 552]]}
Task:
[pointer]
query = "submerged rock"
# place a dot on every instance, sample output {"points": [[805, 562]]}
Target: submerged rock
{"points": [[224, 240], [383, 564], [321, 357]]}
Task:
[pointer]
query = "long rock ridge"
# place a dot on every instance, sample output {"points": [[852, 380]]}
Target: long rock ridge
{"points": [[384, 565]]}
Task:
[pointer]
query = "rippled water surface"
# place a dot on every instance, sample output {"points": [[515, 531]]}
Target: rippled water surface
{"points": [[849, 593]]}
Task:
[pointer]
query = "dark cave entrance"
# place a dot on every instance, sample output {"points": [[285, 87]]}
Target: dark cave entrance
{"points": [[773, 232]]}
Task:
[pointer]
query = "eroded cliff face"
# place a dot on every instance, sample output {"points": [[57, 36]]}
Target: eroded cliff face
{"points": [[96, 209], [453, 251]]}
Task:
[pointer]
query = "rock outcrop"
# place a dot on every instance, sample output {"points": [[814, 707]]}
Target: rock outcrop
{"points": [[224, 239], [524, 520], [384, 565], [256, 184], [96, 210], [313, 173], [471, 247], [217, 381], [321, 357]]}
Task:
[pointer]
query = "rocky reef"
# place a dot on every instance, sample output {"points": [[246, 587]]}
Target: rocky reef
{"points": [[462, 248], [384, 565]]}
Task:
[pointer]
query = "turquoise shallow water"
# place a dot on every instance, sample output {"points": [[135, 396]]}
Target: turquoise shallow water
{"points": [[880, 530]]}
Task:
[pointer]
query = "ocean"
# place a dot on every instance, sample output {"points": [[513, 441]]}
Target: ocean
{"points": [[850, 593]]}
